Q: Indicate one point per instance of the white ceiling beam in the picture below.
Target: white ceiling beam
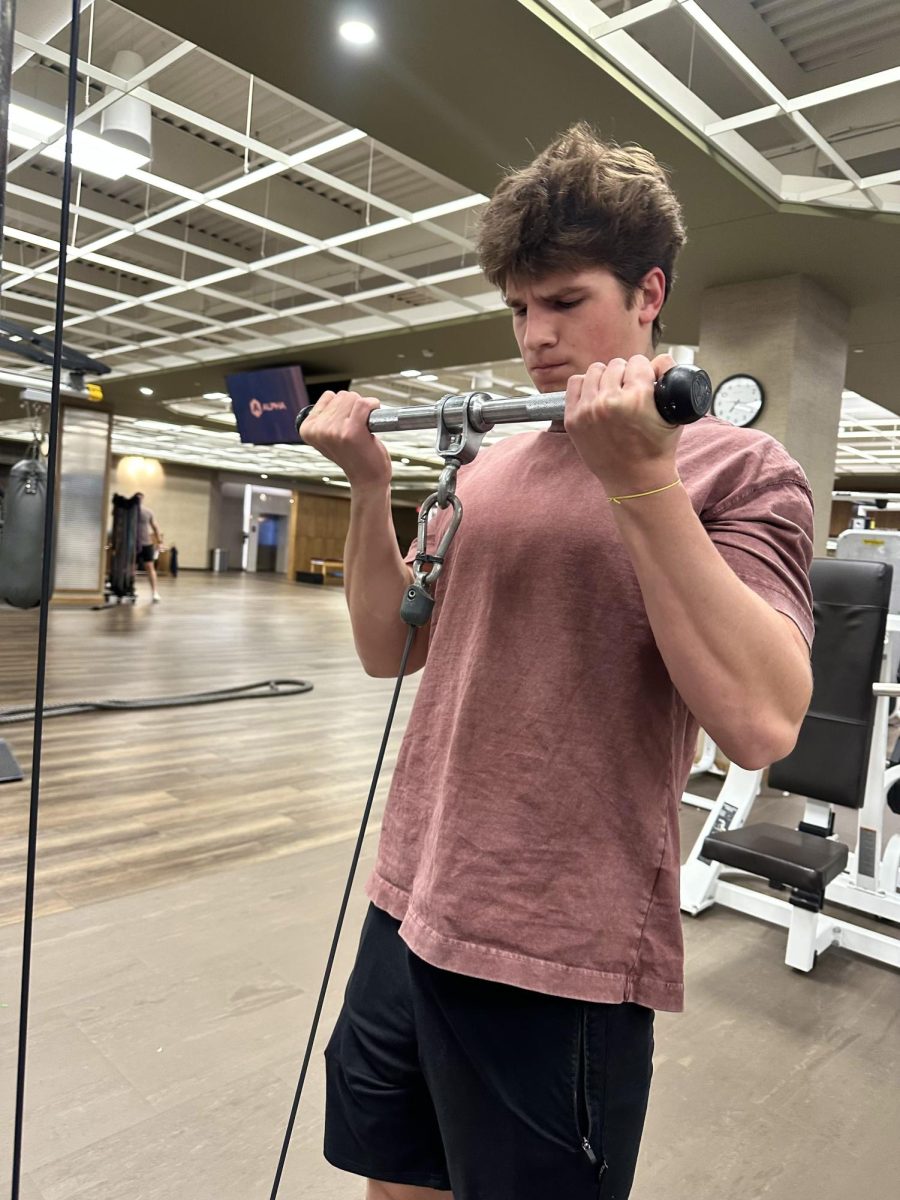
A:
(804, 189)
(735, 53)
(630, 17)
(366, 197)
(873, 181)
(840, 91)
(766, 113)
(825, 146)
(32, 239)
(84, 314)
(857, 453)
(43, 198)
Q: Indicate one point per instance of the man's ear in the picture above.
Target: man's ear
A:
(651, 295)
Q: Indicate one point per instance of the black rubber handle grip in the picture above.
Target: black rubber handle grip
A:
(683, 395)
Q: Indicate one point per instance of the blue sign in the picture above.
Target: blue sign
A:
(266, 404)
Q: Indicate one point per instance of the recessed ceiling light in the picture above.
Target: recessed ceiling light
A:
(146, 391)
(264, 477)
(405, 461)
(358, 33)
(410, 373)
(14, 337)
(427, 378)
(326, 479)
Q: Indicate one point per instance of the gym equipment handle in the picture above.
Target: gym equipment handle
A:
(683, 395)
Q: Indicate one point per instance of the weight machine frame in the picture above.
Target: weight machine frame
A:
(868, 884)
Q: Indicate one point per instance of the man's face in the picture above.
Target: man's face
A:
(564, 322)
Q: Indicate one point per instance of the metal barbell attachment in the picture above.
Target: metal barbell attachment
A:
(683, 395)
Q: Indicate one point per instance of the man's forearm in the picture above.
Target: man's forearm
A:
(734, 660)
(375, 577)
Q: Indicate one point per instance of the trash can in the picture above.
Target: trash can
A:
(218, 559)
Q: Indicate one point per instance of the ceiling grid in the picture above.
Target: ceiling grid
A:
(358, 264)
(646, 40)
(264, 226)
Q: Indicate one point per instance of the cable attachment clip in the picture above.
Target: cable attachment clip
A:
(457, 447)
(418, 600)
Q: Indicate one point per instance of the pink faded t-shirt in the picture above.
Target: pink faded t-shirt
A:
(531, 831)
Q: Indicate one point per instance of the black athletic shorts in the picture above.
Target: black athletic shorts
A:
(439, 1080)
(146, 554)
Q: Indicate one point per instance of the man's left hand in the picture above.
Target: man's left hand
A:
(613, 420)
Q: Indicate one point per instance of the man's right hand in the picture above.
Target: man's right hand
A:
(338, 428)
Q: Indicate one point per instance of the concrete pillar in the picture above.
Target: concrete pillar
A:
(792, 336)
(83, 500)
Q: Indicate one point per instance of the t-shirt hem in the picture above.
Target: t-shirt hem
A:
(516, 969)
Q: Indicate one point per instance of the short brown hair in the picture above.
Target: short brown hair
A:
(583, 203)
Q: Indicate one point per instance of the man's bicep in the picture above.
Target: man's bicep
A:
(766, 539)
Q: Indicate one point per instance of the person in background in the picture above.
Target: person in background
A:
(149, 541)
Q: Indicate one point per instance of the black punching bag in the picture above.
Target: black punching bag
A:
(22, 540)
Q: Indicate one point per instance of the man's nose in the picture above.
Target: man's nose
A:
(539, 331)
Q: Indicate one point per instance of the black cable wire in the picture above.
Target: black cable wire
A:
(268, 689)
(340, 921)
(46, 581)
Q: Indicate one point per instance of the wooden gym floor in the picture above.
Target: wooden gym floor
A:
(190, 866)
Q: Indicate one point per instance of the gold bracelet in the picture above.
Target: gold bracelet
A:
(638, 495)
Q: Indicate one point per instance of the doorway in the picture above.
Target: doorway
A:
(266, 524)
(271, 541)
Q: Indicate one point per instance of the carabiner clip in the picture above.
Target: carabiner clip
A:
(435, 561)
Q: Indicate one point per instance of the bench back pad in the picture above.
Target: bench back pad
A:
(829, 762)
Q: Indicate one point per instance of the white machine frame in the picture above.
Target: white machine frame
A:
(704, 764)
(869, 884)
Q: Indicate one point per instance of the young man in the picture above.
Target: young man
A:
(613, 583)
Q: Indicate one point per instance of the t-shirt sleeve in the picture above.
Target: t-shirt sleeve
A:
(765, 534)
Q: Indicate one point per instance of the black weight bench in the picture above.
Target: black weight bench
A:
(830, 761)
(805, 862)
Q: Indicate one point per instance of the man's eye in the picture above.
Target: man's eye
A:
(567, 303)
(519, 312)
